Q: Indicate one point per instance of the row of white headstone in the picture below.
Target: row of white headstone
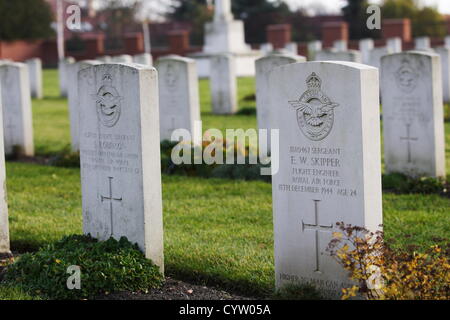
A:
(328, 116)
(64, 65)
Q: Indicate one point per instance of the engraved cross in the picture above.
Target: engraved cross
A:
(316, 227)
(408, 138)
(110, 198)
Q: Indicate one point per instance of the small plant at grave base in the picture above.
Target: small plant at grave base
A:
(382, 273)
(66, 158)
(399, 183)
(447, 112)
(106, 267)
(15, 154)
(298, 292)
(226, 171)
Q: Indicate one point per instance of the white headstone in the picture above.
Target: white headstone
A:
(333, 55)
(263, 68)
(394, 45)
(266, 48)
(413, 121)
(313, 47)
(120, 155)
(340, 45)
(145, 58)
(445, 64)
(4, 228)
(63, 66)
(447, 42)
(105, 59)
(291, 48)
(17, 117)
(375, 56)
(329, 166)
(123, 58)
(365, 46)
(35, 74)
(223, 84)
(423, 44)
(73, 98)
(179, 105)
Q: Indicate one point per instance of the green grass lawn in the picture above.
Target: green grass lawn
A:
(217, 231)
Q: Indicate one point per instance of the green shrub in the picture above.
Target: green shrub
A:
(106, 267)
(66, 158)
(298, 292)
(400, 183)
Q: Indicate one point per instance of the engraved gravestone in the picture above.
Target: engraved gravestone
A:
(413, 121)
(263, 67)
(63, 67)
(35, 74)
(17, 117)
(120, 155)
(329, 166)
(4, 229)
(223, 84)
(145, 58)
(179, 105)
(73, 99)
(445, 64)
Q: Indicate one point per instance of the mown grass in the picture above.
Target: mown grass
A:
(217, 231)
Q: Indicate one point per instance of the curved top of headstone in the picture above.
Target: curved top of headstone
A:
(337, 64)
(13, 64)
(175, 57)
(273, 55)
(417, 53)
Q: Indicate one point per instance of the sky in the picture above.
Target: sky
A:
(331, 6)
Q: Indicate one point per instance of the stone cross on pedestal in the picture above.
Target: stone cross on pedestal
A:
(316, 227)
(222, 10)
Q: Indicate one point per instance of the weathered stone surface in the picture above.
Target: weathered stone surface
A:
(73, 99)
(63, 66)
(413, 121)
(4, 228)
(223, 84)
(35, 74)
(445, 64)
(263, 68)
(313, 47)
(394, 45)
(123, 58)
(120, 155)
(334, 55)
(365, 46)
(179, 105)
(329, 168)
(17, 117)
(145, 58)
